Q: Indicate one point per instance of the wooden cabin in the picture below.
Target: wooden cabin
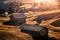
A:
(18, 17)
(35, 31)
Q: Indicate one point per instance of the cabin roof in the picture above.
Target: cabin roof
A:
(19, 15)
(31, 27)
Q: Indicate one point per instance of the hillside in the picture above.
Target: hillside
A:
(50, 19)
(8, 32)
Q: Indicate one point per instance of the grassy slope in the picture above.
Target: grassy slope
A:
(49, 18)
(13, 33)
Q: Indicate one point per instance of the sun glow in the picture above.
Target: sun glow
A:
(48, 1)
(38, 1)
(46, 4)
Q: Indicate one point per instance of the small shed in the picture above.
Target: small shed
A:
(35, 31)
(19, 17)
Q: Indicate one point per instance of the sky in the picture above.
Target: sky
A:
(49, 4)
(25, 0)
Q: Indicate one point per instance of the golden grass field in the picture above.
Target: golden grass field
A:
(13, 33)
(47, 17)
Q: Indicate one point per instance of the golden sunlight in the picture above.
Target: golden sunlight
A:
(50, 4)
(48, 1)
(38, 1)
